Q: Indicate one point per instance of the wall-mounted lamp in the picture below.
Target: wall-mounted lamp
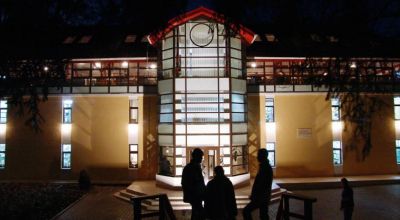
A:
(337, 126)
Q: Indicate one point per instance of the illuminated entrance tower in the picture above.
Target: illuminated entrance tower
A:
(202, 96)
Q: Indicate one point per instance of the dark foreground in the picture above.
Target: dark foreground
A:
(36, 200)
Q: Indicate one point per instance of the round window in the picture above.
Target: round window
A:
(201, 34)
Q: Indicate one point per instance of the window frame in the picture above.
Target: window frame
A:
(2, 166)
(131, 165)
(272, 151)
(340, 149)
(337, 107)
(271, 107)
(397, 150)
(63, 153)
(3, 110)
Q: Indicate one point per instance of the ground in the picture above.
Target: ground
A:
(372, 202)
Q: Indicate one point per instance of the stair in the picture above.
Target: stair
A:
(178, 204)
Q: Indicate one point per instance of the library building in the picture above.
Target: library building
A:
(133, 107)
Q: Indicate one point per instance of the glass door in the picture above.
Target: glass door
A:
(210, 160)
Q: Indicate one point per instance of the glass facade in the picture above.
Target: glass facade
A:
(202, 96)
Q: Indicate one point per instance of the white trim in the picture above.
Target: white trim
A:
(112, 59)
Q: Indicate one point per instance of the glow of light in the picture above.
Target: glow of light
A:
(337, 127)
(133, 128)
(124, 64)
(325, 74)
(46, 68)
(397, 125)
(153, 66)
(270, 127)
(254, 65)
(68, 102)
(3, 128)
(353, 65)
(65, 128)
(97, 65)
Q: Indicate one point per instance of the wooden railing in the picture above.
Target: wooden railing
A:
(164, 207)
(284, 212)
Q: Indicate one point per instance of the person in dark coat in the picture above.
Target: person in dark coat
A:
(261, 191)
(220, 201)
(193, 185)
(347, 203)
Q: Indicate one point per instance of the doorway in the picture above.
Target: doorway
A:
(210, 160)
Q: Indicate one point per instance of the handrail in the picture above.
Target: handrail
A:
(165, 210)
(284, 208)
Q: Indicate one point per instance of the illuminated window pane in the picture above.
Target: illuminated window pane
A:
(335, 114)
(66, 162)
(397, 112)
(238, 98)
(2, 147)
(3, 104)
(336, 145)
(2, 160)
(397, 100)
(335, 102)
(133, 156)
(269, 114)
(133, 147)
(337, 159)
(3, 116)
(398, 155)
(238, 108)
(133, 115)
(67, 118)
(271, 158)
(270, 146)
(66, 148)
(238, 117)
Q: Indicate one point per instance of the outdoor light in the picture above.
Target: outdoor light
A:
(254, 65)
(133, 128)
(325, 74)
(353, 65)
(397, 125)
(46, 68)
(153, 66)
(337, 126)
(66, 128)
(3, 128)
(97, 65)
(270, 127)
(124, 64)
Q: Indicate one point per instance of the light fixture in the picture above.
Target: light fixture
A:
(124, 64)
(397, 125)
(337, 126)
(3, 128)
(97, 65)
(66, 128)
(45, 68)
(153, 66)
(254, 65)
(353, 65)
(326, 73)
(133, 128)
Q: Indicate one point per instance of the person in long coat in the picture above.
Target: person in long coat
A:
(220, 201)
(261, 191)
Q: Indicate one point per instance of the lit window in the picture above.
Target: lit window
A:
(130, 38)
(271, 153)
(2, 156)
(335, 109)
(133, 156)
(3, 112)
(337, 152)
(397, 108)
(67, 112)
(398, 151)
(66, 156)
(133, 111)
(269, 110)
(85, 39)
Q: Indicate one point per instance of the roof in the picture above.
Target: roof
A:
(246, 34)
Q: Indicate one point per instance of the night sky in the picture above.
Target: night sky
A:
(377, 18)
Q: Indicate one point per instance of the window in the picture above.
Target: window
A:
(337, 152)
(133, 156)
(397, 108)
(66, 156)
(398, 151)
(3, 112)
(335, 109)
(67, 111)
(271, 153)
(2, 156)
(269, 110)
(133, 111)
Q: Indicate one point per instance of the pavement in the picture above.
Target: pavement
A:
(371, 202)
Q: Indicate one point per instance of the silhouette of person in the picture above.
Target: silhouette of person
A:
(261, 191)
(220, 201)
(193, 185)
(347, 203)
(165, 166)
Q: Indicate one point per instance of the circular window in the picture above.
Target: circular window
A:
(201, 35)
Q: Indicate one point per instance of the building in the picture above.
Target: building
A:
(138, 109)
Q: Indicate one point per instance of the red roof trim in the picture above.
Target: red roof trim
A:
(247, 35)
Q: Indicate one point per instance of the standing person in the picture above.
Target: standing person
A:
(220, 201)
(261, 191)
(347, 203)
(193, 185)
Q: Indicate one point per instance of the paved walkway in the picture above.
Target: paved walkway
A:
(372, 202)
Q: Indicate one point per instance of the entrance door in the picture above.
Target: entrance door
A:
(210, 160)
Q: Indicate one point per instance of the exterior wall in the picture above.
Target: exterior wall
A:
(382, 158)
(99, 139)
(254, 126)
